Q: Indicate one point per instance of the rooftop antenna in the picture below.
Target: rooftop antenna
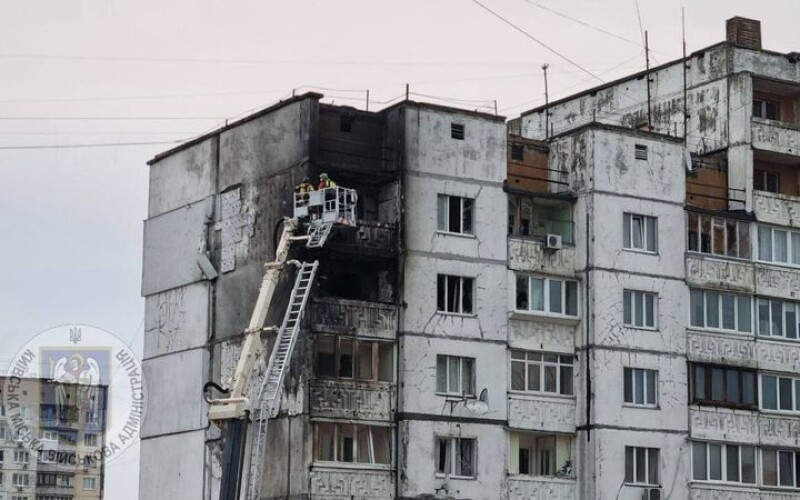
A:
(647, 65)
(546, 104)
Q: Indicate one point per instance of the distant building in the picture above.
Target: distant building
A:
(597, 300)
(48, 445)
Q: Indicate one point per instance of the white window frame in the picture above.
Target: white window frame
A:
(20, 480)
(443, 214)
(91, 480)
(743, 236)
(792, 240)
(708, 296)
(794, 393)
(461, 361)
(786, 307)
(91, 436)
(536, 360)
(777, 452)
(546, 288)
(723, 454)
(21, 457)
(464, 281)
(453, 450)
(646, 375)
(628, 243)
(647, 467)
(630, 301)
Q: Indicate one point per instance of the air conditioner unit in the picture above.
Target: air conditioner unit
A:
(651, 494)
(553, 241)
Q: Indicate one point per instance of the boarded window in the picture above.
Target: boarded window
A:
(517, 152)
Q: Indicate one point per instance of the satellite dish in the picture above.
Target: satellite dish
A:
(480, 405)
(687, 161)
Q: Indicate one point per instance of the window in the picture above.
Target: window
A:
(455, 456)
(640, 387)
(640, 151)
(639, 309)
(547, 295)
(65, 481)
(91, 439)
(540, 454)
(21, 480)
(780, 393)
(778, 245)
(640, 232)
(765, 180)
(21, 457)
(780, 468)
(348, 358)
(541, 372)
(47, 435)
(641, 465)
(538, 217)
(517, 152)
(718, 236)
(351, 443)
(457, 131)
(723, 386)
(46, 479)
(777, 318)
(25, 412)
(721, 311)
(346, 123)
(3, 433)
(766, 109)
(454, 214)
(723, 462)
(455, 375)
(454, 294)
(89, 483)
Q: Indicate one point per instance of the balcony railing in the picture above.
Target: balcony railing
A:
(541, 413)
(525, 254)
(743, 426)
(352, 400)
(377, 237)
(541, 488)
(776, 136)
(351, 484)
(775, 208)
(371, 319)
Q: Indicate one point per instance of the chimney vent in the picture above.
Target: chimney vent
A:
(744, 32)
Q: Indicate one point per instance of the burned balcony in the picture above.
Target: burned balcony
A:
(528, 169)
(707, 182)
(352, 141)
(776, 187)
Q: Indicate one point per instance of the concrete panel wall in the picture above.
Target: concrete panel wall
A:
(185, 177)
(172, 467)
(176, 320)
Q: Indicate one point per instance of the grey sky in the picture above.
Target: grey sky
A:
(71, 218)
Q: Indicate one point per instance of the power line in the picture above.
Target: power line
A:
(105, 118)
(541, 43)
(95, 145)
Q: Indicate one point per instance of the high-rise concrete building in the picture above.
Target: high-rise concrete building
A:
(49, 444)
(597, 300)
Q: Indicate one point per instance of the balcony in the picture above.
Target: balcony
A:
(541, 488)
(705, 270)
(352, 400)
(341, 316)
(743, 426)
(351, 484)
(777, 208)
(541, 413)
(368, 237)
(526, 254)
(776, 136)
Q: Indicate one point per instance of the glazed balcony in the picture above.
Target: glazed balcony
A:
(353, 400)
(342, 316)
(351, 484)
(541, 488)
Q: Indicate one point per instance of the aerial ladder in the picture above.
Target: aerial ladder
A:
(315, 212)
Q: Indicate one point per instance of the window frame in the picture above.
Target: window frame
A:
(632, 303)
(632, 481)
(795, 475)
(629, 373)
(546, 289)
(762, 105)
(472, 371)
(453, 445)
(461, 288)
(794, 393)
(720, 306)
(709, 389)
(376, 364)
(723, 466)
(541, 365)
(628, 233)
(792, 239)
(337, 433)
(466, 206)
(769, 320)
(93, 481)
(702, 221)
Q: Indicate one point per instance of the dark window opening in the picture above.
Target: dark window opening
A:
(641, 152)
(457, 131)
(724, 386)
(764, 180)
(517, 152)
(346, 123)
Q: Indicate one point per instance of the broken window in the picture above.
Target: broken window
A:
(457, 131)
(536, 454)
(455, 456)
(547, 295)
(723, 386)
(517, 152)
(352, 443)
(640, 387)
(455, 375)
(719, 236)
(639, 309)
(765, 180)
(763, 108)
(539, 217)
(642, 465)
(545, 372)
(721, 311)
(349, 358)
(454, 214)
(454, 294)
(640, 232)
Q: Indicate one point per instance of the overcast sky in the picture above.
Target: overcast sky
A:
(71, 219)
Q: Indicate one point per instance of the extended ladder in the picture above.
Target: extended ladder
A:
(269, 397)
(318, 234)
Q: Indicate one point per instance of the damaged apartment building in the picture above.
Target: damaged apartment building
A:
(595, 300)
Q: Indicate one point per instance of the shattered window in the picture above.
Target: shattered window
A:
(349, 358)
(454, 294)
(455, 456)
(353, 443)
(454, 214)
